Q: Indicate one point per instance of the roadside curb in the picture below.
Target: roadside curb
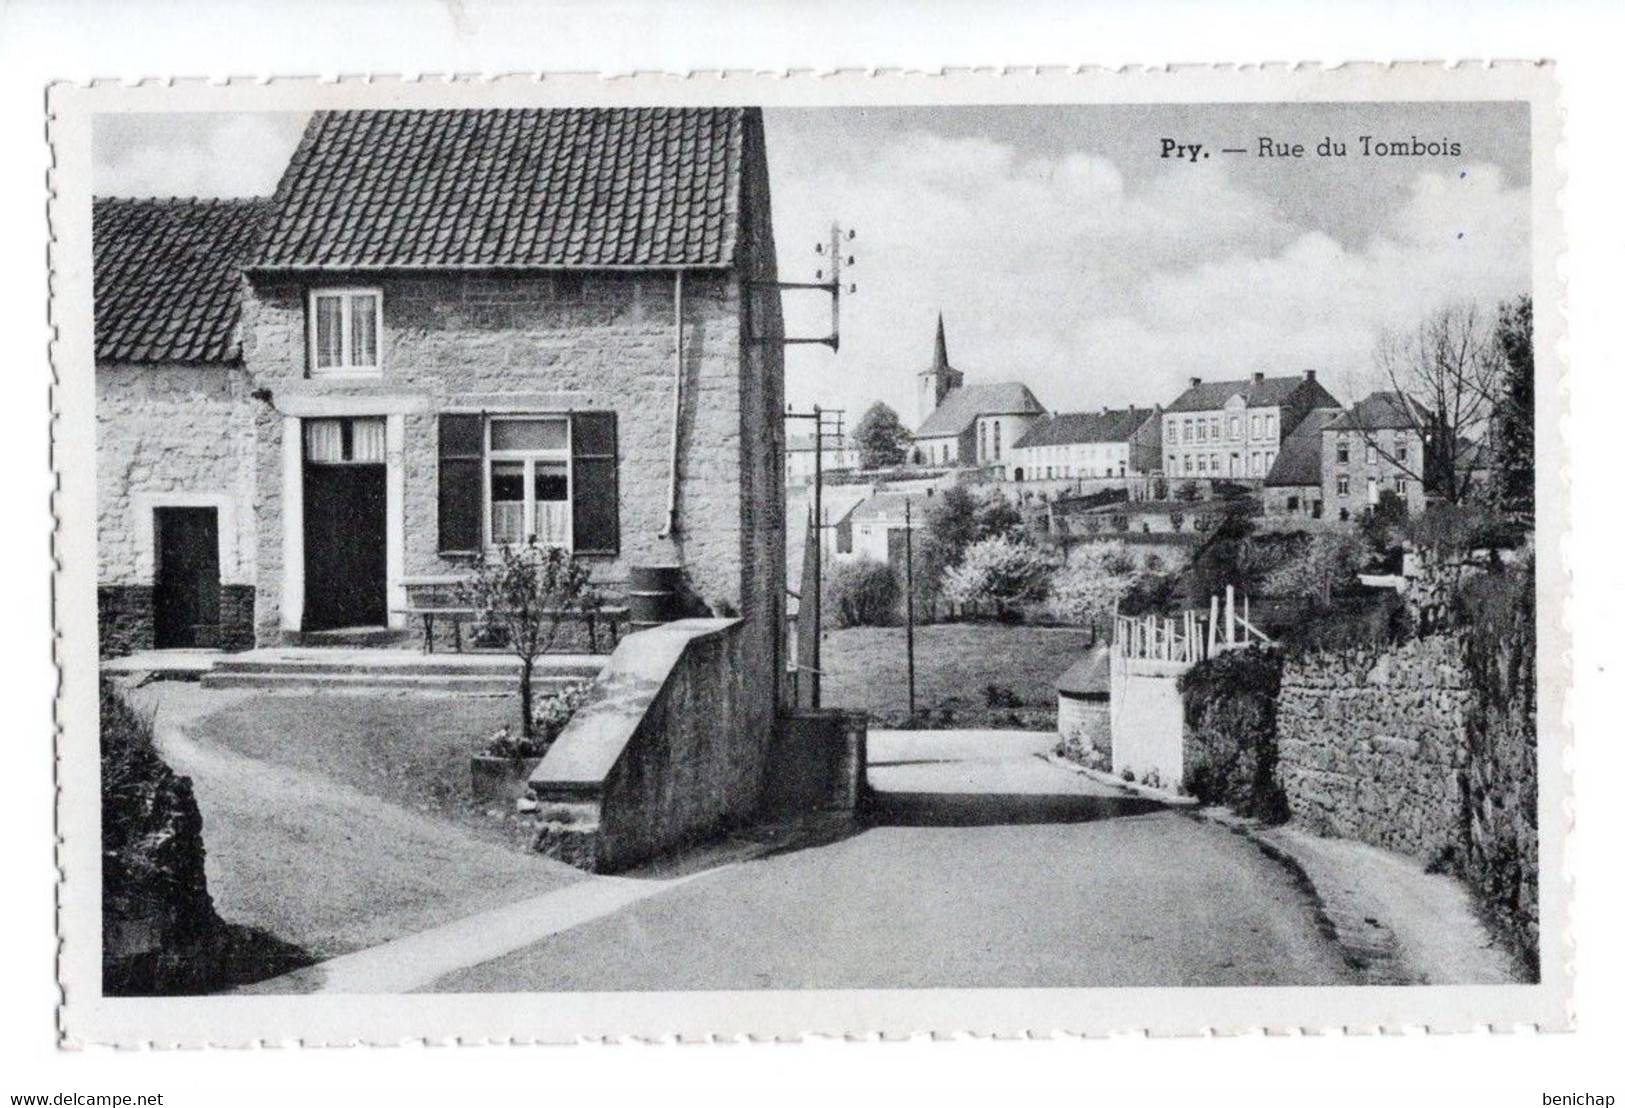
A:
(1145, 792)
(1369, 947)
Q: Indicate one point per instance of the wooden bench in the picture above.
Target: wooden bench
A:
(611, 618)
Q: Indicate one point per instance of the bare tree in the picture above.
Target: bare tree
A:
(1444, 379)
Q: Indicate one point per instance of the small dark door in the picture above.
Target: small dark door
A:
(186, 589)
(344, 546)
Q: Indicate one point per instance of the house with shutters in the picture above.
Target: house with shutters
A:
(446, 331)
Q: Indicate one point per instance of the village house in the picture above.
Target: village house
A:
(801, 457)
(447, 331)
(1293, 485)
(1234, 429)
(1374, 447)
(175, 462)
(1107, 443)
(969, 425)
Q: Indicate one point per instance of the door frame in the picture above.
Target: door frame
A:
(158, 592)
(393, 412)
(144, 506)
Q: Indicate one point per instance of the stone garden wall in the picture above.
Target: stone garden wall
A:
(1372, 744)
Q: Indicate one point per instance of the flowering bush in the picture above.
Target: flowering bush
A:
(1000, 573)
(552, 715)
(1089, 586)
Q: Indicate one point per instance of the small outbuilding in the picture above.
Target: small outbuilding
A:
(1083, 705)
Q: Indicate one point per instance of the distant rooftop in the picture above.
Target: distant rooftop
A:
(961, 407)
(1068, 428)
(1257, 391)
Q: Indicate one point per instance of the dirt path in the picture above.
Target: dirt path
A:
(320, 864)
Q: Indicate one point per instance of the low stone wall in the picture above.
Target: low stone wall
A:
(1085, 726)
(819, 763)
(1372, 744)
(125, 617)
(670, 748)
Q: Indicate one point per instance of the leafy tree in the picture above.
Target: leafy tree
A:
(1514, 429)
(864, 593)
(521, 592)
(1328, 560)
(1001, 573)
(996, 516)
(881, 438)
(1088, 588)
(1387, 515)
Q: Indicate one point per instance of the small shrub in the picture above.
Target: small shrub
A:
(553, 714)
(1000, 696)
(1230, 727)
(1128, 774)
(864, 593)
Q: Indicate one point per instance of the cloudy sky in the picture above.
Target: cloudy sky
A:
(1062, 250)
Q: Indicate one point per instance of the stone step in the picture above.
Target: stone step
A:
(422, 666)
(483, 684)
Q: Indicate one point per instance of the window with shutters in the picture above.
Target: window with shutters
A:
(505, 479)
(344, 329)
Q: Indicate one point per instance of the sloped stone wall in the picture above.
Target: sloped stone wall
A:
(1373, 744)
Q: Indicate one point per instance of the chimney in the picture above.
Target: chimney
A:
(1195, 381)
(1258, 378)
(1309, 375)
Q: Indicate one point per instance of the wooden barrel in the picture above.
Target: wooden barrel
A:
(652, 595)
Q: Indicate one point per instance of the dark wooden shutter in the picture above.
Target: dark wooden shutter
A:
(595, 501)
(462, 485)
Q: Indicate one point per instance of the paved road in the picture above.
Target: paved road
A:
(983, 866)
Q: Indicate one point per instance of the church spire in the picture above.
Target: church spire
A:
(939, 362)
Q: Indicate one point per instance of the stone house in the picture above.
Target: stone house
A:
(457, 329)
(1375, 446)
(1293, 486)
(1234, 429)
(1107, 443)
(175, 469)
(969, 425)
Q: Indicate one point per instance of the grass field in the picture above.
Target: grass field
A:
(865, 667)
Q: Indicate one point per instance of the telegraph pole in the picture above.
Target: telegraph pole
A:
(908, 594)
(826, 421)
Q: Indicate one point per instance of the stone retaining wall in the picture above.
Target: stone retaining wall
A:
(1373, 744)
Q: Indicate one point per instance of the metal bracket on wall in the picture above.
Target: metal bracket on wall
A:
(837, 241)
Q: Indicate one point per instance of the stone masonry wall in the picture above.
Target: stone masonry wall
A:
(1372, 744)
(536, 343)
(170, 430)
(176, 435)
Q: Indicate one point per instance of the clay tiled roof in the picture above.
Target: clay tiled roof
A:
(1298, 462)
(167, 277)
(1383, 411)
(531, 188)
(1268, 392)
(960, 408)
(1064, 429)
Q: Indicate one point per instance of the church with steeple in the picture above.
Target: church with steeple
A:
(968, 425)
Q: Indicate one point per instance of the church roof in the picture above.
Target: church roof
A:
(961, 407)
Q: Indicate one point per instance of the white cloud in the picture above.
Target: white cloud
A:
(1053, 271)
(200, 155)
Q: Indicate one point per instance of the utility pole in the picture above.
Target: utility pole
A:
(826, 421)
(908, 594)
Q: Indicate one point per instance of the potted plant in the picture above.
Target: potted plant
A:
(503, 763)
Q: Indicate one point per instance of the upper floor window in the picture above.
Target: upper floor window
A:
(1173, 431)
(1342, 449)
(344, 326)
(1235, 427)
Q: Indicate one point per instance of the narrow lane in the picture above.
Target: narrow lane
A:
(984, 866)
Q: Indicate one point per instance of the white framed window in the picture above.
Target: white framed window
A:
(1402, 486)
(1235, 427)
(345, 325)
(1370, 453)
(527, 480)
(1342, 484)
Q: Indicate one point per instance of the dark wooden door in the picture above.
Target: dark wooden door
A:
(344, 546)
(186, 587)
